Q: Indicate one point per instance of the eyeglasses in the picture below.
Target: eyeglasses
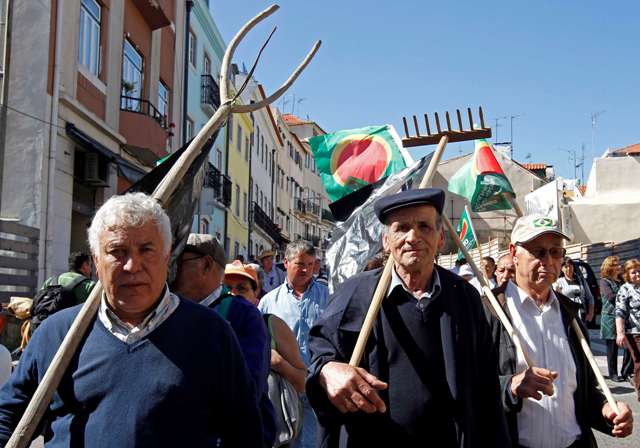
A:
(541, 252)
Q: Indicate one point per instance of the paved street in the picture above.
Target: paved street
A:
(622, 391)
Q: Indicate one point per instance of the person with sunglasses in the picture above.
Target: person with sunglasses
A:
(556, 401)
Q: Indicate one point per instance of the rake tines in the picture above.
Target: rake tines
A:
(455, 135)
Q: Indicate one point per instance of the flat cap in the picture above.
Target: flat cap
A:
(205, 244)
(409, 198)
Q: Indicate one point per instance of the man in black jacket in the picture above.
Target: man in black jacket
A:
(429, 371)
(556, 402)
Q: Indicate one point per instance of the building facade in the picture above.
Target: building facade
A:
(91, 90)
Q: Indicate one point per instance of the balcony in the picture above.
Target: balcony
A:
(220, 184)
(312, 208)
(261, 219)
(209, 93)
(299, 205)
(144, 107)
(327, 215)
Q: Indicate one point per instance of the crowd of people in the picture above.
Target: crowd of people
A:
(238, 354)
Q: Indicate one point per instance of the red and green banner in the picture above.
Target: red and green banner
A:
(466, 233)
(351, 159)
(482, 181)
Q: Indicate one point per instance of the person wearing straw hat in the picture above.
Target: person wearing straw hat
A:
(429, 371)
(271, 276)
(555, 402)
(135, 379)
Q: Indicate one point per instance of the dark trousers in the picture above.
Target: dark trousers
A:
(633, 344)
(627, 364)
(612, 357)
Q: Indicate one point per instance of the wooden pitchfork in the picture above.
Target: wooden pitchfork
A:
(42, 397)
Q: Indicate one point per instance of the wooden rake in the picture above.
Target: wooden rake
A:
(42, 397)
(442, 137)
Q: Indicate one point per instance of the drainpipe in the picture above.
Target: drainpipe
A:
(250, 196)
(185, 90)
(8, 15)
(49, 156)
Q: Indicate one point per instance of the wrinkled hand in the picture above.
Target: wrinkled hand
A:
(620, 338)
(532, 381)
(623, 423)
(352, 388)
(590, 315)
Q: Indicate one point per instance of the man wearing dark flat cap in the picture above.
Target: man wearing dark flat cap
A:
(428, 376)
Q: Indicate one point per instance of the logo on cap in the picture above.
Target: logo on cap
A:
(543, 222)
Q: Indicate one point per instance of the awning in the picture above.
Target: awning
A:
(125, 169)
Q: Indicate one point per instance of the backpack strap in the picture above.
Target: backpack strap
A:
(71, 286)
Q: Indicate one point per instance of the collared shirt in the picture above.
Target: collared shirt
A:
(550, 422)
(432, 293)
(628, 307)
(271, 280)
(299, 313)
(207, 301)
(128, 333)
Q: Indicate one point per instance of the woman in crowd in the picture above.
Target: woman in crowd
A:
(610, 281)
(570, 285)
(242, 280)
(628, 316)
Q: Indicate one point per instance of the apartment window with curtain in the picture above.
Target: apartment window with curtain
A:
(163, 100)
(132, 70)
(193, 47)
(89, 41)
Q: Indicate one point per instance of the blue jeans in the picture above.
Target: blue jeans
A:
(307, 438)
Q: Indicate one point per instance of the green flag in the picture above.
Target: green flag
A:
(351, 159)
(482, 181)
(466, 233)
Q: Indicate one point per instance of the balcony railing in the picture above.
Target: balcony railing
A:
(312, 208)
(140, 106)
(299, 205)
(209, 92)
(262, 219)
(220, 184)
(327, 215)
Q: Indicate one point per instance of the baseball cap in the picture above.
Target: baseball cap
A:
(465, 270)
(530, 227)
(205, 244)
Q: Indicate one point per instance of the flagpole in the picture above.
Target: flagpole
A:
(473, 230)
(385, 279)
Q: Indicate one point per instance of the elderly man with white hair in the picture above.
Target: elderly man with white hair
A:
(136, 378)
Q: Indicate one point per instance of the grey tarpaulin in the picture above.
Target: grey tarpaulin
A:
(359, 238)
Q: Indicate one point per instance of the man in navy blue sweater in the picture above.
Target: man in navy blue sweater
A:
(200, 273)
(153, 370)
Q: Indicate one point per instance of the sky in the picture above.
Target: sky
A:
(553, 64)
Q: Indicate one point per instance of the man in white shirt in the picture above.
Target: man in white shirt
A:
(555, 402)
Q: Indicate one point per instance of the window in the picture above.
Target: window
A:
(245, 204)
(193, 43)
(219, 159)
(236, 249)
(238, 201)
(190, 128)
(163, 100)
(239, 139)
(89, 41)
(204, 225)
(257, 140)
(246, 148)
(206, 64)
(132, 65)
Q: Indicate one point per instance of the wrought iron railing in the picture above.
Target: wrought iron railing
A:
(209, 91)
(262, 219)
(141, 106)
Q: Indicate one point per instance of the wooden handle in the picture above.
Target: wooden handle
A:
(485, 287)
(385, 279)
(594, 366)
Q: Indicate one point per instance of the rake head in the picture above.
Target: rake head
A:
(455, 135)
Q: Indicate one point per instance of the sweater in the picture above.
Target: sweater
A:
(184, 384)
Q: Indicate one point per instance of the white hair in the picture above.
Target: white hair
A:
(129, 210)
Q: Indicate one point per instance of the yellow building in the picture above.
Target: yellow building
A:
(240, 129)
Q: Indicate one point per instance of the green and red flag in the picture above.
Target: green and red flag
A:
(352, 159)
(466, 233)
(482, 181)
